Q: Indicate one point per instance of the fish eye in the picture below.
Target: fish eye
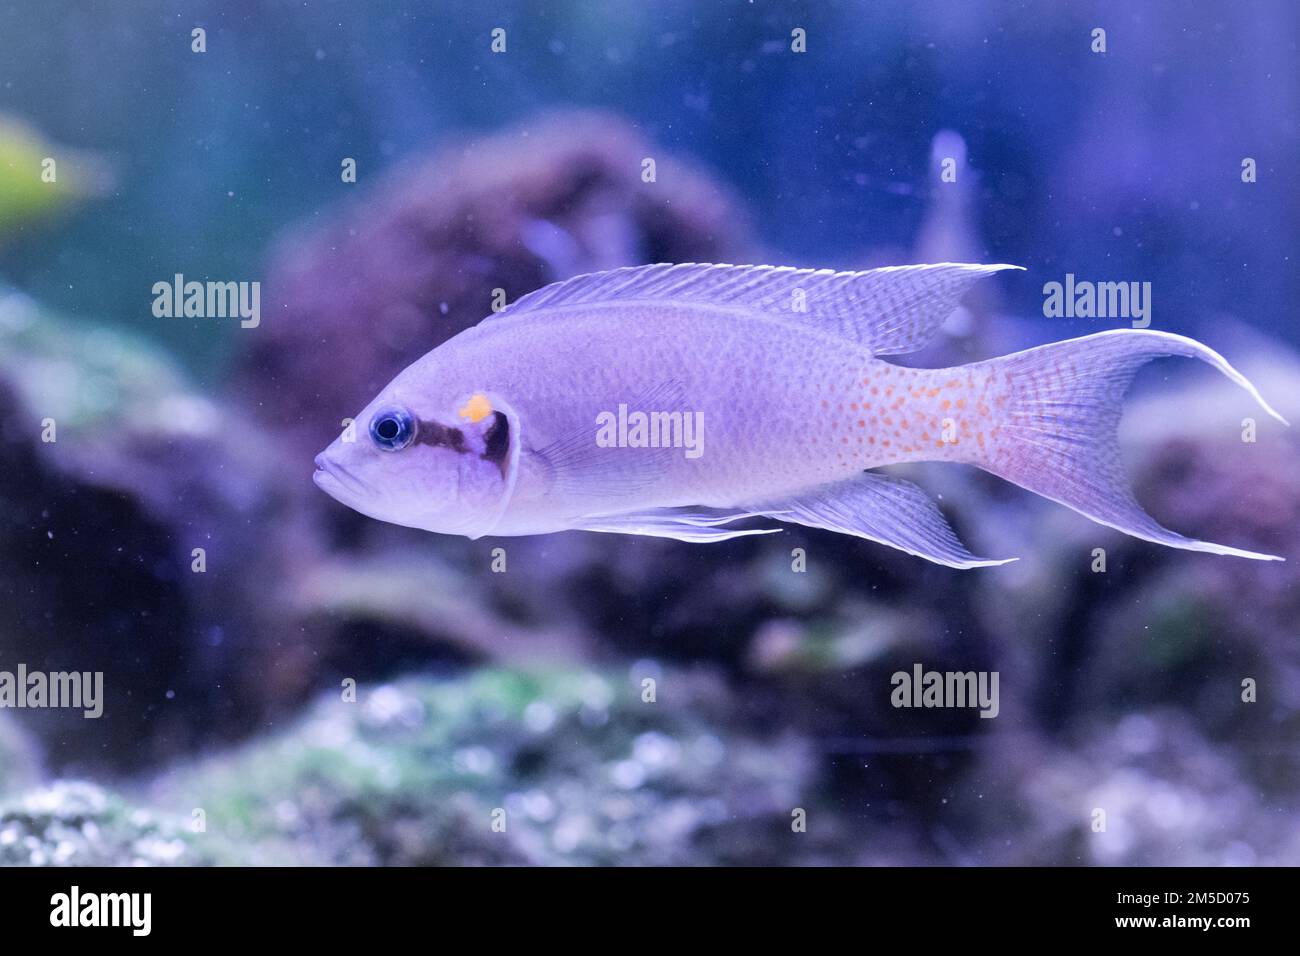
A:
(392, 429)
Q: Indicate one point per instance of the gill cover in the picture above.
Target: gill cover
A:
(490, 466)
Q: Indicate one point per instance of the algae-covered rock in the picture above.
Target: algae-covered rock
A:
(1144, 790)
(550, 767)
(74, 823)
(506, 767)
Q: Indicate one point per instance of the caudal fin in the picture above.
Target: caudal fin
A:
(1058, 430)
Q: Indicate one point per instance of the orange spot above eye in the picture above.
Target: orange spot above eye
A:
(946, 404)
(476, 409)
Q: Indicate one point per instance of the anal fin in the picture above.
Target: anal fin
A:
(883, 509)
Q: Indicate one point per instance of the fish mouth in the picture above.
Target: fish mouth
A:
(333, 478)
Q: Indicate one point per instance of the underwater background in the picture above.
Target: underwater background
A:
(332, 690)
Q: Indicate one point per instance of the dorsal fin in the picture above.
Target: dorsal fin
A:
(892, 310)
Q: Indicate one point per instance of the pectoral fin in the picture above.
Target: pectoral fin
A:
(577, 464)
(880, 508)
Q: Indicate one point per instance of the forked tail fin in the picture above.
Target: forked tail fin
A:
(1057, 432)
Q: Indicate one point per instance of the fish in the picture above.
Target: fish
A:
(25, 161)
(673, 400)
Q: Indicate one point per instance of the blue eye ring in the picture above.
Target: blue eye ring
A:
(392, 429)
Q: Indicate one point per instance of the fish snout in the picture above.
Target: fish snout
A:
(332, 476)
(322, 474)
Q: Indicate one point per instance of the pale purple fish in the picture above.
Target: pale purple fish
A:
(671, 400)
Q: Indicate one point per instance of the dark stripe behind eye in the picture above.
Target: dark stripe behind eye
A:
(432, 433)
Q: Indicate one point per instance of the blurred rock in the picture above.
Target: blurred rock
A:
(97, 555)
